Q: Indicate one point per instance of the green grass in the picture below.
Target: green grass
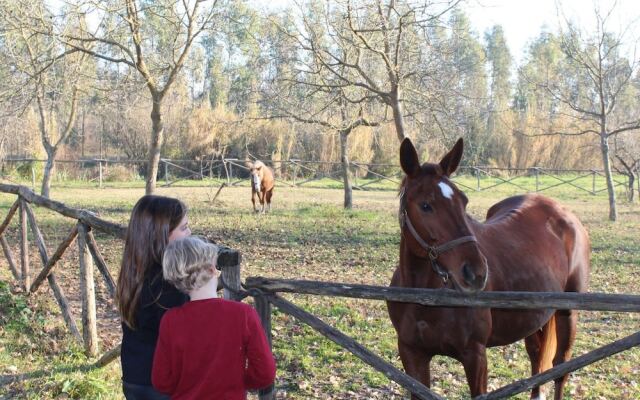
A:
(307, 236)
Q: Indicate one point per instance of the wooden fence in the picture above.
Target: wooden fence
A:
(298, 173)
(265, 292)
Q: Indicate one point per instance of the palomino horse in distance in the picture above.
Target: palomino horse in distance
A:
(262, 184)
(527, 243)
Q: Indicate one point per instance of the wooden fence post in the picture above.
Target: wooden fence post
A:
(5, 246)
(108, 356)
(264, 311)
(356, 172)
(229, 262)
(226, 170)
(24, 246)
(101, 264)
(100, 174)
(87, 287)
(295, 173)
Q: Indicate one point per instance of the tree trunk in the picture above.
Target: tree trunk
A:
(344, 157)
(48, 172)
(632, 178)
(604, 147)
(398, 118)
(638, 180)
(157, 135)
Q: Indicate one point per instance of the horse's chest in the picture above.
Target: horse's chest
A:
(442, 330)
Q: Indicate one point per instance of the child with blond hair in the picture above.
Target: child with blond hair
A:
(209, 348)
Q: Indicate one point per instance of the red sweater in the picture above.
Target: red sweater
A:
(212, 349)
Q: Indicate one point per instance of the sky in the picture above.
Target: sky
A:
(522, 20)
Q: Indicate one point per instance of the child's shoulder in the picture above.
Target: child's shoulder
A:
(237, 306)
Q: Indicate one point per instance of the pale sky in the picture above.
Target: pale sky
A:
(522, 20)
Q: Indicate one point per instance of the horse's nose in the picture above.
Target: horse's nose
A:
(468, 274)
(473, 280)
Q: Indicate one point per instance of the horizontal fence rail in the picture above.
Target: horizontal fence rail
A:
(453, 298)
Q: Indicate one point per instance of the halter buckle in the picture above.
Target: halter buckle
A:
(433, 254)
(444, 275)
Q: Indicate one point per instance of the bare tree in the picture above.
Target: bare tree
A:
(154, 39)
(313, 94)
(593, 86)
(44, 74)
(627, 153)
(378, 46)
(337, 115)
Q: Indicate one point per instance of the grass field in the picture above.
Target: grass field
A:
(307, 236)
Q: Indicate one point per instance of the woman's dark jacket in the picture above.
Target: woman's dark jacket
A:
(139, 344)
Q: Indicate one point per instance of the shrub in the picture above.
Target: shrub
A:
(121, 173)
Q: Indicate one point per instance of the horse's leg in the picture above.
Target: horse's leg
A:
(416, 364)
(474, 360)
(268, 194)
(532, 344)
(253, 200)
(542, 348)
(262, 201)
(566, 332)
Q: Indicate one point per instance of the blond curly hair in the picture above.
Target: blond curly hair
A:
(187, 263)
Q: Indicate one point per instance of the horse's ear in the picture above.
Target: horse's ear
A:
(409, 158)
(451, 160)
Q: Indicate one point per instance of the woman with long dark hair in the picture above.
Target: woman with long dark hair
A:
(143, 295)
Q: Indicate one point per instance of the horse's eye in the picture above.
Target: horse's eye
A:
(426, 207)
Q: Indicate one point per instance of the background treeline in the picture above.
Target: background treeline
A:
(282, 84)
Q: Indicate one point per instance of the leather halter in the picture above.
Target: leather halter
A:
(433, 251)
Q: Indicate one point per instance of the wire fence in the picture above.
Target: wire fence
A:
(299, 173)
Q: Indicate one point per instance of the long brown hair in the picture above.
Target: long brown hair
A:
(152, 219)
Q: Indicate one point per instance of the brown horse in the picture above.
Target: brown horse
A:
(262, 184)
(527, 243)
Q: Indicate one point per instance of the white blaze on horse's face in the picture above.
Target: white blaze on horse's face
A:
(446, 190)
(256, 181)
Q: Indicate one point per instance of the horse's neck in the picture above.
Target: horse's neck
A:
(483, 231)
(477, 228)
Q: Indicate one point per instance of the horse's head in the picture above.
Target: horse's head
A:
(434, 221)
(256, 170)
